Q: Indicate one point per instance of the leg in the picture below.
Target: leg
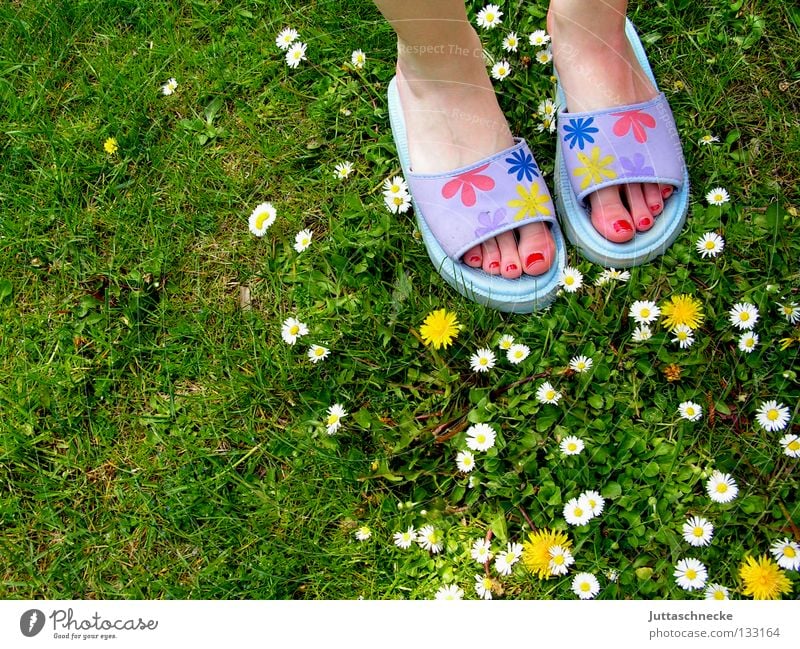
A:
(598, 69)
(446, 91)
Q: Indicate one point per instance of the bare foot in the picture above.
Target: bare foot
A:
(598, 69)
(453, 119)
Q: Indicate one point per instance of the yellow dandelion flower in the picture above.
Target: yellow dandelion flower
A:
(111, 145)
(439, 329)
(763, 579)
(682, 310)
(536, 550)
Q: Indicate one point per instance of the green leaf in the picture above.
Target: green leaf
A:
(499, 527)
(6, 289)
(644, 573)
(612, 490)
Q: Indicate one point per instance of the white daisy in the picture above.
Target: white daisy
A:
(642, 333)
(716, 591)
(790, 311)
(395, 186)
(430, 539)
(560, 560)
(580, 364)
(576, 512)
(286, 38)
(697, 531)
(363, 533)
(481, 550)
(743, 315)
(571, 445)
(644, 311)
(546, 393)
(483, 586)
(547, 124)
(505, 559)
(571, 279)
(748, 341)
(585, 585)
(718, 196)
(517, 353)
(292, 329)
(480, 437)
(451, 592)
(169, 87)
(772, 416)
(506, 340)
(539, 38)
(358, 59)
(708, 139)
(710, 244)
(501, 70)
(592, 501)
(342, 170)
(684, 336)
(482, 360)
(791, 445)
(690, 574)
(465, 461)
(334, 419)
(317, 353)
(302, 240)
(403, 540)
(546, 108)
(612, 275)
(511, 42)
(690, 410)
(398, 203)
(544, 57)
(489, 17)
(721, 487)
(261, 218)
(612, 575)
(786, 553)
(295, 54)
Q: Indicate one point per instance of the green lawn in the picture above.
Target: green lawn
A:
(159, 439)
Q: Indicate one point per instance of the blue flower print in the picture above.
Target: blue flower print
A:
(578, 132)
(636, 167)
(523, 165)
(489, 223)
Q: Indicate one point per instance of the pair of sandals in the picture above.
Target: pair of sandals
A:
(457, 210)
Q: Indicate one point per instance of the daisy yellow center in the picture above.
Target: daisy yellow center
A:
(569, 280)
(645, 313)
(483, 361)
(398, 200)
(698, 531)
(682, 335)
(487, 583)
(305, 241)
(467, 460)
(690, 411)
(319, 351)
(395, 189)
(550, 394)
(294, 330)
(691, 574)
(718, 197)
(511, 558)
(558, 559)
(547, 121)
(722, 488)
(794, 445)
(297, 54)
(489, 17)
(581, 365)
(585, 586)
(578, 512)
(518, 354)
(789, 552)
(332, 419)
(710, 245)
(261, 218)
(572, 446)
(772, 414)
(718, 594)
(787, 310)
(432, 538)
(592, 504)
(744, 316)
(480, 438)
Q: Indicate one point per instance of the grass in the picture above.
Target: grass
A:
(158, 440)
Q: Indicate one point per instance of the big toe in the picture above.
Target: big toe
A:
(537, 250)
(609, 216)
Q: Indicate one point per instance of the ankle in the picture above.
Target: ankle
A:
(458, 54)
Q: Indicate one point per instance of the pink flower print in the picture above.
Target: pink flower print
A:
(636, 120)
(466, 182)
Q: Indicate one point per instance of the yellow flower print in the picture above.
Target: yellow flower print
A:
(594, 168)
(530, 203)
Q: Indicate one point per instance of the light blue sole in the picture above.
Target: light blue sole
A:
(523, 295)
(577, 224)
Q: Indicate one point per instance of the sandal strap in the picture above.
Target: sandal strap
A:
(620, 145)
(467, 206)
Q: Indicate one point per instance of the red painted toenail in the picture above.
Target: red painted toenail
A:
(474, 259)
(655, 208)
(533, 258)
(511, 268)
(622, 226)
(645, 222)
(494, 264)
(666, 192)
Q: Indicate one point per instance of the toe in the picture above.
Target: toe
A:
(653, 198)
(473, 257)
(510, 266)
(609, 216)
(491, 256)
(666, 191)
(537, 250)
(638, 207)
